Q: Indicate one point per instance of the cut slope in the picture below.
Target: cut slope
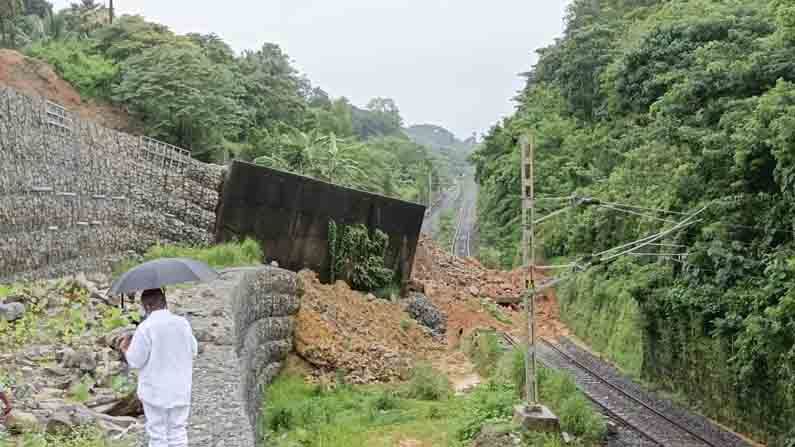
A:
(34, 77)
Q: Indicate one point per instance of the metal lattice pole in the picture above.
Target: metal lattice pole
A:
(529, 264)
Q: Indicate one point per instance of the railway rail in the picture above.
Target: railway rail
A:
(462, 238)
(653, 426)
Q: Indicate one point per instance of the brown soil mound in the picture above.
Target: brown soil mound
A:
(342, 329)
(34, 77)
(374, 340)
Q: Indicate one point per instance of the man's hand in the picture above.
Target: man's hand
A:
(124, 344)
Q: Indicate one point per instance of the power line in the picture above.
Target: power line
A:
(554, 199)
(654, 238)
(649, 216)
(656, 210)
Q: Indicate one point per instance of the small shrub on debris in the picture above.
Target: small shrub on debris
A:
(485, 351)
(428, 384)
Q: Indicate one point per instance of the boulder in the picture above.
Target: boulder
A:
(22, 422)
(12, 311)
(84, 359)
(69, 417)
(496, 436)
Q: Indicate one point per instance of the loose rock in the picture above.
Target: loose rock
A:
(12, 311)
(420, 308)
(22, 422)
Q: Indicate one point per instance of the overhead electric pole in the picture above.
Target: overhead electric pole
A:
(430, 189)
(532, 415)
(527, 146)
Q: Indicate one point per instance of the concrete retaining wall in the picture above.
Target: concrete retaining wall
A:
(289, 215)
(75, 195)
(264, 304)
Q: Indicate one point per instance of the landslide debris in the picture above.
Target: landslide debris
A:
(366, 338)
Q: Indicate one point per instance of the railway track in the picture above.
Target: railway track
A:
(465, 223)
(653, 426)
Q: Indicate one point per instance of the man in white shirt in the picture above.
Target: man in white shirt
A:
(163, 348)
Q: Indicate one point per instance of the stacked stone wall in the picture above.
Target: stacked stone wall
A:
(264, 305)
(75, 195)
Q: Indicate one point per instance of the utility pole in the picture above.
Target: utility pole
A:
(110, 12)
(532, 415)
(527, 146)
(430, 188)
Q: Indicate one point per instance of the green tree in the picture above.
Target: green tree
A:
(91, 74)
(273, 89)
(181, 96)
(10, 11)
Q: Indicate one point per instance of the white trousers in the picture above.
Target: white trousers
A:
(167, 427)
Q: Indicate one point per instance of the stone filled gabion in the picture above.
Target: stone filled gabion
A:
(264, 304)
(73, 190)
(420, 308)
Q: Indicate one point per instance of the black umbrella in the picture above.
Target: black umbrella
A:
(162, 272)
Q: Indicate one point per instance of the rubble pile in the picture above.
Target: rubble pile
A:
(436, 268)
(59, 360)
(366, 338)
(474, 297)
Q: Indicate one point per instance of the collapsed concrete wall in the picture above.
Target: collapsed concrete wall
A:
(75, 195)
(289, 215)
(264, 304)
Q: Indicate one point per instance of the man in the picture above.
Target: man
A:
(163, 348)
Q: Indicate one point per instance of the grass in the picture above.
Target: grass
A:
(603, 313)
(300, 414)
(484, 350)
(80, 392)
(427, 384)
(558, 391)
(297, 414)
(80, 437)
(231, 254)
(494, 310)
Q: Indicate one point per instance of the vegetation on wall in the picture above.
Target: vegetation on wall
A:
(358, 256)
(669, 105)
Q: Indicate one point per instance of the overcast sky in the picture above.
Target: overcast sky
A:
(453, 63)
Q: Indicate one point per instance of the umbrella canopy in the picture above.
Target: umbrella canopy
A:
(162, 272)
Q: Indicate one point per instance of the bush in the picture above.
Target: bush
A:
(491, 403)
(577, 416)
(428, 384)
(485, 351)
(230, 254)
(90, 73)
(218, 256)
(386, 400)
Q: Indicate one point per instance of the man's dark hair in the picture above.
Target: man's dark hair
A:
(153, 299)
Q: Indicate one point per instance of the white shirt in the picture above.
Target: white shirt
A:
(163, 349)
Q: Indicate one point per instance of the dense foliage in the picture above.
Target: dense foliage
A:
(194, 91)
(670, 105)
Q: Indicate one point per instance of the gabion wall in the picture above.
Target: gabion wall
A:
(75, 196)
